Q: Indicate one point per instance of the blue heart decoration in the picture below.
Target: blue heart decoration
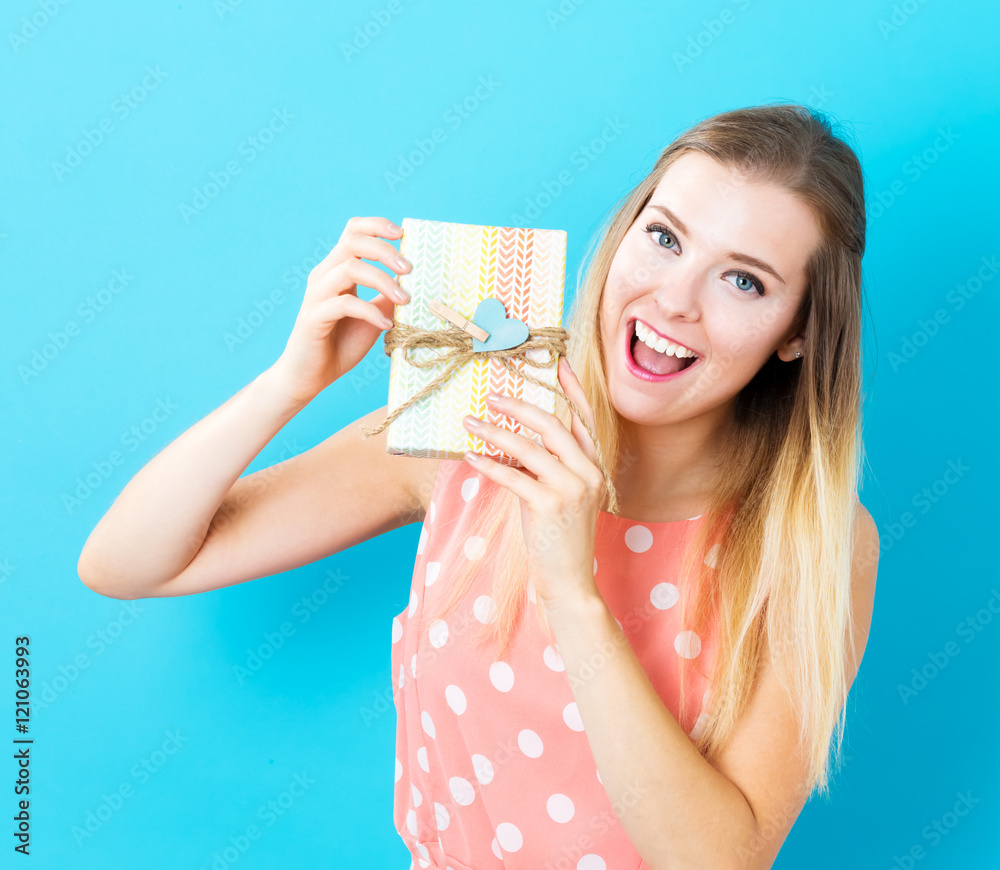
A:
(505, 332)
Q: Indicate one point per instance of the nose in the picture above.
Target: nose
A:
(677, 293)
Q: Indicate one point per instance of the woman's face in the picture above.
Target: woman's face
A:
(688, 278)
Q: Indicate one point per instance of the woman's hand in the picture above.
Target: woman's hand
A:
(560, 489)
(334, 328)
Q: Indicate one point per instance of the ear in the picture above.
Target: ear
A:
(795, 339)
(787, 349)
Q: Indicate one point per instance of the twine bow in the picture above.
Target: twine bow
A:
(456, 345)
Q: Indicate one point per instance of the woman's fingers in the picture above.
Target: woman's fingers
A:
(368, 247)
(362, 238)
(344, 277)
(556, 439)
(326, 313)
(574, 390)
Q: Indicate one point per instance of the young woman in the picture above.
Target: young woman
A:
(666, 680)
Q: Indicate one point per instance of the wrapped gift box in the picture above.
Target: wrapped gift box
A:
(460, 265)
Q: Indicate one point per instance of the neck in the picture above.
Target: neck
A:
(667, 472)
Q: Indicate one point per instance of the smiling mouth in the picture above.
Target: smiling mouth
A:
(654, 362)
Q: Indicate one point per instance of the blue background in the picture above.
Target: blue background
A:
(916, 86)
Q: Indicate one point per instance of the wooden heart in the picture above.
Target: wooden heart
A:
(505, 332)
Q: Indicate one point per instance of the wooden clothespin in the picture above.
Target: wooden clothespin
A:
(453, 317)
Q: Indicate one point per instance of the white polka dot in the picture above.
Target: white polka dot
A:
(423, 864)
(531, 590)
(601, 781)
(560, 808)
(411, 822)
(699, 725)
(431, 510)
(552, 659)
(399, 769)
(413, 664)
(529, 743)
(418, 798)
(455, 698)
(495, 846)
(397, 629)
(509, 837)
(422, 849)
(595, 564)
(695, 518)
(502, 676)
(433, 569)
(427, 723)
(438, 633)
(687, 644)
(413, 602)
(619, 622)
(485, 609)
(422, 759)
(711, 556)
(571, 716)
(401, 676)
(474, 547)
(591, 862)
(441, 816)
(483, 768)
(422, 541)
(638, 539)
(664, 595)
(462, 791)
(470, 486)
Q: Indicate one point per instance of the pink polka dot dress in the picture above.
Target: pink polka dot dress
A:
(493, 768)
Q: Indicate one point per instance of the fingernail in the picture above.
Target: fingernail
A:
(393, 228)
(402, 262)
(387, 323)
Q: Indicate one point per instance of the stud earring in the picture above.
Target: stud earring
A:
(798, 353)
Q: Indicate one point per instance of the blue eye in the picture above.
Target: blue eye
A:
(658, 228)
(754, 283)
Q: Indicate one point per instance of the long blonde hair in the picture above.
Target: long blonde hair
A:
(771, 563)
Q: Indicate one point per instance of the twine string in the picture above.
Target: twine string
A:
(456, 348)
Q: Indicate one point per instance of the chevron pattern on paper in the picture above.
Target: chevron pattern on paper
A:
(460, 265)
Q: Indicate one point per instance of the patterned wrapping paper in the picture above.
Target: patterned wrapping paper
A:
(460, 265)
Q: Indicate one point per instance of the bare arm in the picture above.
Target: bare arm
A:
(341, 492)
(159, 521)
(187, 522)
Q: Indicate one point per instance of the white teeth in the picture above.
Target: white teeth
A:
(659, 344)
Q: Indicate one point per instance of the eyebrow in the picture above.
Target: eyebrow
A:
(733, 255)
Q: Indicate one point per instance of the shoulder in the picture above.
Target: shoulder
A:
(763, 758)
(411, 477)
(421, 476)
(865, 534)
(864, 569)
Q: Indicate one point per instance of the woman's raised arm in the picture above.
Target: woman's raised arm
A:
(187, 522)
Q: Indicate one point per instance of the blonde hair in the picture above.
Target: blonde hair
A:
(770, 565)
